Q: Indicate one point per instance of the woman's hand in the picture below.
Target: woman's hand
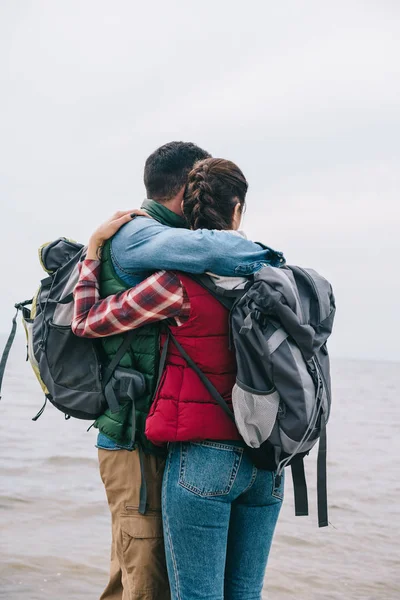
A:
(108, 229)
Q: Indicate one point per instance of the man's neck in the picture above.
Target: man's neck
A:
(164, 215)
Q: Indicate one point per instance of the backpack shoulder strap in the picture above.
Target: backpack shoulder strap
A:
(108, 371)
(226, 297)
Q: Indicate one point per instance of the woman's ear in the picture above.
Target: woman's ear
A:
(182, 206)
(237, 216)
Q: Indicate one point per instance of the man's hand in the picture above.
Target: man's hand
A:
(108, 229)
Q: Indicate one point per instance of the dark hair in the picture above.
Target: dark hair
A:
(166, 170)
(214, 188)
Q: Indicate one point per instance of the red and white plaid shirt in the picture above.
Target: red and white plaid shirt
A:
(160, 296)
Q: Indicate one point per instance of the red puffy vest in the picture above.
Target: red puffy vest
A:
(183, 410)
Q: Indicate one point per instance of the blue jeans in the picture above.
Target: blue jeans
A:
(219, 516)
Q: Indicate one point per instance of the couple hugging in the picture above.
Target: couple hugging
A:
(192, 517)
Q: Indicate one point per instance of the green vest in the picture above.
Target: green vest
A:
(143, 354)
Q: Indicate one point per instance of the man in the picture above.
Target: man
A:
(131, 468)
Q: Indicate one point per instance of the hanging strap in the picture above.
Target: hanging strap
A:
(133, 434)
(10, 340)
(299, 488)
(127, 390)
(143, 483)
(7, 349)
(322, 495)
(41, 411)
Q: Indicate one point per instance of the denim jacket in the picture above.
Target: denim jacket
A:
(144, 245)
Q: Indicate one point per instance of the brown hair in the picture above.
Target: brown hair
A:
(167, 169)
(213, 189)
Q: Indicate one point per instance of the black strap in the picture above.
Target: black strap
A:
(143, 484)
(39, 414)
(67, 299)
(108, 388)
(111, 397)
(163, 359)
(299, 488)
(7, 349)
(207, 383)
(127, 390)
(133, 434)
(108, 371)
(322, 494)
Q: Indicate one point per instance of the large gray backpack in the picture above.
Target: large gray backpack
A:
(280, 325)
(72, 372)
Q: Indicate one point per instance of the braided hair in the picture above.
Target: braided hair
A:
(215, 186)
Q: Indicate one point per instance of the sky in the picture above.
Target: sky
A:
(304, 95)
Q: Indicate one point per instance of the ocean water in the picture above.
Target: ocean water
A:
(54, 520)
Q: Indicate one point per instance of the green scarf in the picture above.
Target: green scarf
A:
(161, 213)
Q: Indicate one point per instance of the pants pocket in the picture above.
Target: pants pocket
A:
(209, 468)
(142, 557)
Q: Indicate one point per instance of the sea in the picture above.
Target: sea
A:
(55, 524)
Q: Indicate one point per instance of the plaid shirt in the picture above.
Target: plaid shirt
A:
(160, 296)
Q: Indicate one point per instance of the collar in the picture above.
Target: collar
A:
(161, 213)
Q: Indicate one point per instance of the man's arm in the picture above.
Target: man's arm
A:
(146, 245)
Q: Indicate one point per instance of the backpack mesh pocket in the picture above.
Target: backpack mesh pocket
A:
(255, 414)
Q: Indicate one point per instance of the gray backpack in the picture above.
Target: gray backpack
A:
(71, 370)
(280, 325)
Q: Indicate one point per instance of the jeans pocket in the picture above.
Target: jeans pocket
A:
(209, 468)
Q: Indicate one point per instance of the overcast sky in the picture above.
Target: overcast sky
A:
(303, 95)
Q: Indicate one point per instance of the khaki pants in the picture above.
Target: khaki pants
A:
(138, 570)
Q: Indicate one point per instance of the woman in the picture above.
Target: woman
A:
(219, 511)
